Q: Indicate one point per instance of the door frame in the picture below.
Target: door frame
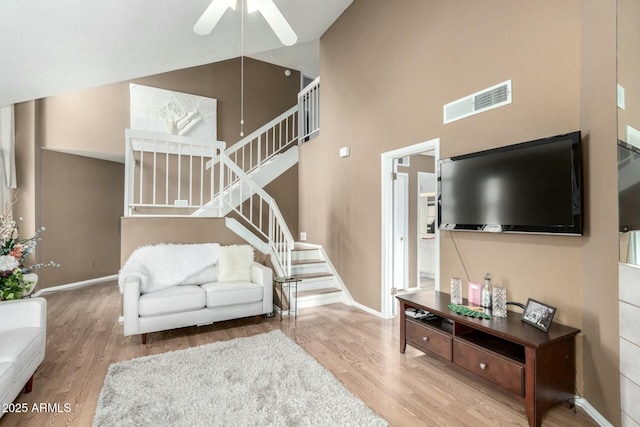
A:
(387, 301)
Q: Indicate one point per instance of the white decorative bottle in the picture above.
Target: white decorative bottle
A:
(485, 294)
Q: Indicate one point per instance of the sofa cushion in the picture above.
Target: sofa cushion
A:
(220, 294)
(7, 377)
(234, 263)
(19, 345)
(172, 300)
(209, 274)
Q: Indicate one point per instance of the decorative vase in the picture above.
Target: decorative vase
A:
(30, 277)
(499, 302)
(456, 290)
(485, 294)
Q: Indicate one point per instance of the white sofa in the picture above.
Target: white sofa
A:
(23, 329)
(197, 300)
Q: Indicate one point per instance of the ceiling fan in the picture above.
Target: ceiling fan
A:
(267, 8)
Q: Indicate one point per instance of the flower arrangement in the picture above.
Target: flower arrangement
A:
(13, 255)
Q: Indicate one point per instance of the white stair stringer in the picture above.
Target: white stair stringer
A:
(249, 237)
(242, 231)
(320, 282)
(262, 176)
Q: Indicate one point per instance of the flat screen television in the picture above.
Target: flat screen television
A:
(628, 187)
(531, 187)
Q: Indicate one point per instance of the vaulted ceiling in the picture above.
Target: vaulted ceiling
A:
(53, 47)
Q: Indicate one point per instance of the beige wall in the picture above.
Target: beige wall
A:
(599, 293)
(79, 199)
(386, 73)
(389, 74)
(81, 202)
(26, 207)
(137, 232)
(95, 119)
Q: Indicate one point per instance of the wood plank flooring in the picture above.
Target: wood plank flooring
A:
(361, 350)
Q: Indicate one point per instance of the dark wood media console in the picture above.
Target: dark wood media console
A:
(533, 366)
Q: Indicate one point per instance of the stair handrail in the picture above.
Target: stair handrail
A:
(277, 235)
(288, 118)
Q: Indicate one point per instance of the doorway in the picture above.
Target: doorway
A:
(391, 277)
(427, 213)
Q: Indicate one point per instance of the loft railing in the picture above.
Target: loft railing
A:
(309, 111)
(258, 209)
(169, 172)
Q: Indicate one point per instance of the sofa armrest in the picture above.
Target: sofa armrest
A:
(263, 275)
(260, 274)
(130, 305)
(23, 313)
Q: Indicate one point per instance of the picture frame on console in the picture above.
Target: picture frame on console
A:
(538, 314)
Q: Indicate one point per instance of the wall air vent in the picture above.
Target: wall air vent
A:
(487, 99)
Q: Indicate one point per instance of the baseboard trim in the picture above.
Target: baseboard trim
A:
(369, 310)
(75, 285)
(592, 412)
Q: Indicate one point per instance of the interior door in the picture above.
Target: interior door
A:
(400, 231)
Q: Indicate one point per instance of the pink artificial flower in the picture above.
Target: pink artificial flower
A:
(17, 251)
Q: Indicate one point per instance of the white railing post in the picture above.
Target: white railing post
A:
(129, 172)
(222, 162)
(309, 111)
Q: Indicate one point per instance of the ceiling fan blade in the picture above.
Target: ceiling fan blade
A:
(210, 17)
(277, 22)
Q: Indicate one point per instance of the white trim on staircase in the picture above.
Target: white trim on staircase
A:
(75, 285)
(347, 299)
(337, 277)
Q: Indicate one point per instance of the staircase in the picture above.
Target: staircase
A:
(319, 282)
(167, 175)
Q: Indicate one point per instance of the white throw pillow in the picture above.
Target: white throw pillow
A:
(235, 263)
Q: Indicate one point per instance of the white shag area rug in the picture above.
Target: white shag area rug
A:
(264, 380)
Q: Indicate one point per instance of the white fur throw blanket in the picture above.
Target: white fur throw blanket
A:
(165, 265)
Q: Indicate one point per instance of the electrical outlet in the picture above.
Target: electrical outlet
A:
(92, 264)
(303, 236)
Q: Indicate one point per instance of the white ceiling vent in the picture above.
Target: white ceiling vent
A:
(487, 99)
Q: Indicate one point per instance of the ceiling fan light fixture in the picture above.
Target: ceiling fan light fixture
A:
(277, 22)
(267, 8)
(231, 3)
(253, 6)
(212, 15)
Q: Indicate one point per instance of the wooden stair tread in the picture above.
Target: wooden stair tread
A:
(308, 261)
(298, 247)
(312, 275)
(321, 291)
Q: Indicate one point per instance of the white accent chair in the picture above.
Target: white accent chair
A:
(23, 329)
